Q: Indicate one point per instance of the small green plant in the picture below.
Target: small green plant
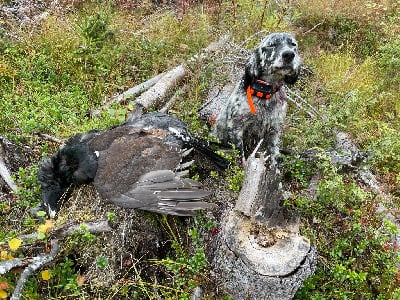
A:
(64, 278)
(389, 61)
(95, 31)
(28, 192)
(297, 170)
(81, 236)
(110, 216)
(186, 268)
(186, 264)
(235, 178)
(102, 262)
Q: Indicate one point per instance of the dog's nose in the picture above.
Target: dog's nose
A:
(288, 56)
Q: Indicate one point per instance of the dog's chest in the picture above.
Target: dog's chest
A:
(268, 111)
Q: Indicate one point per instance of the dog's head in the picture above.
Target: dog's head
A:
(275, 59)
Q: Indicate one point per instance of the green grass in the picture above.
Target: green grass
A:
(51, 77)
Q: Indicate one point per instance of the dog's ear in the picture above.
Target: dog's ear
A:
(252, 69)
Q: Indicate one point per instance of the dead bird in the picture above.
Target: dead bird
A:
(135, 165)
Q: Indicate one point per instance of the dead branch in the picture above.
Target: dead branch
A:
(173, 99)
(8, 265)
(4, 172)
(67, 229)
(310, 114)
(297, 96)
(50, 138)
(163, 83)
(315, 26)
(37, 263)
(153, 96)
(33, 264)
(94, 227)
(128, 94)
(257, 34)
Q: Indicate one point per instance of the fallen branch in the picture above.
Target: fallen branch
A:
(67, 229)
(6, 175)
(8, 265)
(155, 89)
(152, 97)
(32, 264)
(94, 227)
(50, 138)
(315, 26)
(128, 94)
(297, 96)
(310, 114)
(4, 172)
(37, 263)
(173, 99)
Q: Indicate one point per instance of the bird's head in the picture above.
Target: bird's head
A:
(72, 164)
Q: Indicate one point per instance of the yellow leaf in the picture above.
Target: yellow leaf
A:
(49, 224)
(3, 255)
(80, 280)
(14, 244)
(46, 227)
(3, 294)
(46, 275)
(42, 228)
(4, 285)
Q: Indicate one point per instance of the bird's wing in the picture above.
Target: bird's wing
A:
(137, 171)
(164, 191)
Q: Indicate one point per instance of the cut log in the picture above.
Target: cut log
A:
(152, 97)
(128, 94)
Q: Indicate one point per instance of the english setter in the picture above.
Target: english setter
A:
(257, 107)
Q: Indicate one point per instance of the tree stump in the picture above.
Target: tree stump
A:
(261, 254)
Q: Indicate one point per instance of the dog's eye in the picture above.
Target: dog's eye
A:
(293, 44)
(266, 49)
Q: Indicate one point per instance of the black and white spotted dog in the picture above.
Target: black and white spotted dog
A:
(257, 107)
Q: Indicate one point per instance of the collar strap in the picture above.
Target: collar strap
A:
(261, 89)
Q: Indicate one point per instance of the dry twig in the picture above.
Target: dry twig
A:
(37, 263)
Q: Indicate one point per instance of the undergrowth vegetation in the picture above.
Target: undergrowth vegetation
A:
(53, 75)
